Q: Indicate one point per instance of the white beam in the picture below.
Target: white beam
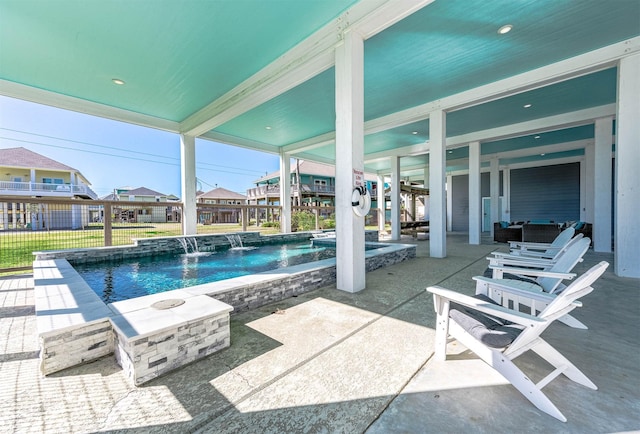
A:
(285, 193)
(188, 181)
(45, 97)
(307, 59)
(350, 253)
(602, 185)
(475, 197)
(395, 197)
(437, 192)
(240, 142)
(627, 200)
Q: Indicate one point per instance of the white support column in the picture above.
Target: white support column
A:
(437, 169)
(494, 191)
(506, 194)
(587, 183)
(188, 181)
(395, 197)
(475, 197)
(426, 198)
(627, 201)
(285, 193)
(350, 261)
(449, 198)
(382, 208)
(602, 185)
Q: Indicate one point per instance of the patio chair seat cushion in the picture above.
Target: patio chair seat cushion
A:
(491, 331)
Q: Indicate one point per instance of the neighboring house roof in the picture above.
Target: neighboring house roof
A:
(24, 158)
(221, 193)
(110, 196)
(310, 168)
(142, 191)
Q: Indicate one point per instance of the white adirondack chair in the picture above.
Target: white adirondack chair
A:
(544, 257)
(538, 286)
(507, 334)
(542, 249)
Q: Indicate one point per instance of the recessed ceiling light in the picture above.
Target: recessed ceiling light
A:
(526, 105)
(451, 152)
(505, 29)
(267, 128)
(542, 155)
(536, 137)
(117, 81)
(414, 132)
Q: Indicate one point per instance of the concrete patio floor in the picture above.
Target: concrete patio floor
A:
(333, 362)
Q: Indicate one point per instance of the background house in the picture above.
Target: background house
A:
(27, 174)
(137, 213)
(315, 186)
(220, 196)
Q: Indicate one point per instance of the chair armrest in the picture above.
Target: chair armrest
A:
(529, 245)
(515, 287)
(519, 261)
(532, 272)
(484, 307)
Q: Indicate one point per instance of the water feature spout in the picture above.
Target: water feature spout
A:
(190, 245)
(235, 241)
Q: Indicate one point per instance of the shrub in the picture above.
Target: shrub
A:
(303, 221)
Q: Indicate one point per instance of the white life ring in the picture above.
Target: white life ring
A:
(361, 201)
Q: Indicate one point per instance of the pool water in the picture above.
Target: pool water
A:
(123, 280)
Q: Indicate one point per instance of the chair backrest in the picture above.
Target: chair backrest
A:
(563, 238)
(561, 251)
(578, 288)
(559, 306)
(565, 264)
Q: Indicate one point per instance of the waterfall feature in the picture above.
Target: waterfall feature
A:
(190, 245)
(235, 241)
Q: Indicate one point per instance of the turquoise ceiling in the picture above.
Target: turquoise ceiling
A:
(178, 56)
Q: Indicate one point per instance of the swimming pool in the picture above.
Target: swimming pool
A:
(125, 279)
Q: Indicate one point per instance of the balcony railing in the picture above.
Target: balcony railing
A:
(274, 190)
(40, 189)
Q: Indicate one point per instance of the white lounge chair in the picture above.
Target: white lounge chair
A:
(498, 335)
(542, 249)
(548, 256)
(533, 287)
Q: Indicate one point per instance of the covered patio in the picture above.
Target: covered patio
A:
(331, 361)
(414, 90)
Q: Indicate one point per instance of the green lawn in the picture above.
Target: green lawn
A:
(16, 247)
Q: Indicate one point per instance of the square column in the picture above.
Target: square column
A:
(395, 197)
(602, 185)
(350, 261)
(188, 181)
(494, 192)
(627, 202)
(437, 192)
(587, 183)
(475, 196)
(382, 207)
(285, 193)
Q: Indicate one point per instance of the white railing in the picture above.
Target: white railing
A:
(274, 190)
(37, 189)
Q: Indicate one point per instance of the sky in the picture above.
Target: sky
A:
(113, 154)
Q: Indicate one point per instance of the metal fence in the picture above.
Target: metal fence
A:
(29, 224)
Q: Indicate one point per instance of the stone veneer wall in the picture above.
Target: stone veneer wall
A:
(61, 349)
(145, 358)
(251, 296)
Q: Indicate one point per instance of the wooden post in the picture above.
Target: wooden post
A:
(106, 219)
